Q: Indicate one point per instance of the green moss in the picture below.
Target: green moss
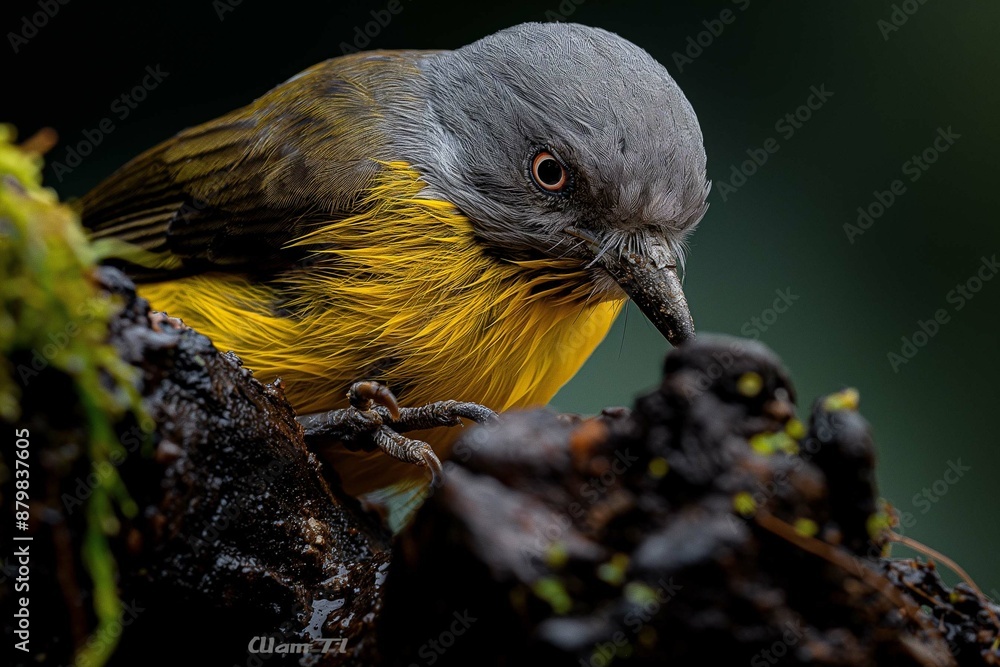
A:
(878, 524)
(795, 428)
(806, 527)
(640, 594)
(744, 504)
(771, 443)
(551, 590)
(750, 384)
(53, 313)
(556, 555)
(613, 572)
(848, 399)
(658, 467)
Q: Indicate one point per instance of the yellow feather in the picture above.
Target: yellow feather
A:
(404, 293)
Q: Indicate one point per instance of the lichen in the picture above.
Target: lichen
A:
(54, 318)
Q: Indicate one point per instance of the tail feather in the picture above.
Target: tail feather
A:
(397, 488)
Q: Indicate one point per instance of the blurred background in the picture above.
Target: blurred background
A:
(892, 111)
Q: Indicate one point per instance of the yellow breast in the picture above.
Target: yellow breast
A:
(405, 294)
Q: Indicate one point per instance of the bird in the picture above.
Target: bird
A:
(450, 230)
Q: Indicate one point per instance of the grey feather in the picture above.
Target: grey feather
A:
(601, 104)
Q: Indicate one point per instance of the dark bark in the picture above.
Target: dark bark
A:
(238, 534)
(673, 534)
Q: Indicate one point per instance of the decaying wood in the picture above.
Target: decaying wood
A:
(706, 526)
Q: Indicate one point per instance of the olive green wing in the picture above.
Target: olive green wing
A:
(231, 194)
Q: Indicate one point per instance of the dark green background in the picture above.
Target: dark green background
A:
(782, 230)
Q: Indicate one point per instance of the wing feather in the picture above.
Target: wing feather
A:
(233, 193)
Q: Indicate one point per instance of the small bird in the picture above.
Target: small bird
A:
(461, 225)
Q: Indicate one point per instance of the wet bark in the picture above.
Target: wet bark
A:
(706, 525)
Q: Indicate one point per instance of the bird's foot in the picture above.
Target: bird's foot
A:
(376, 419)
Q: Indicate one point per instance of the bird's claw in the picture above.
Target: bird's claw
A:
(363, 395)
(408, 450)
(374, 414)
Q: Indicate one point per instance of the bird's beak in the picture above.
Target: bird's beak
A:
(651, 280)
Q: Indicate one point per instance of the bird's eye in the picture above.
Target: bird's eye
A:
(549, 173)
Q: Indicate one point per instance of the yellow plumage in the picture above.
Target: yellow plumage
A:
(401, 292)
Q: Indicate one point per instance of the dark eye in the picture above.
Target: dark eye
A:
(549, 173)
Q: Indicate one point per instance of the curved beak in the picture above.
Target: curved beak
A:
(651, 280)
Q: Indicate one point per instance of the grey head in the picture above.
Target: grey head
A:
(564, 141)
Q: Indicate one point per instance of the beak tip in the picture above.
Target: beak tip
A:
(653, 283)
(680, 332)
